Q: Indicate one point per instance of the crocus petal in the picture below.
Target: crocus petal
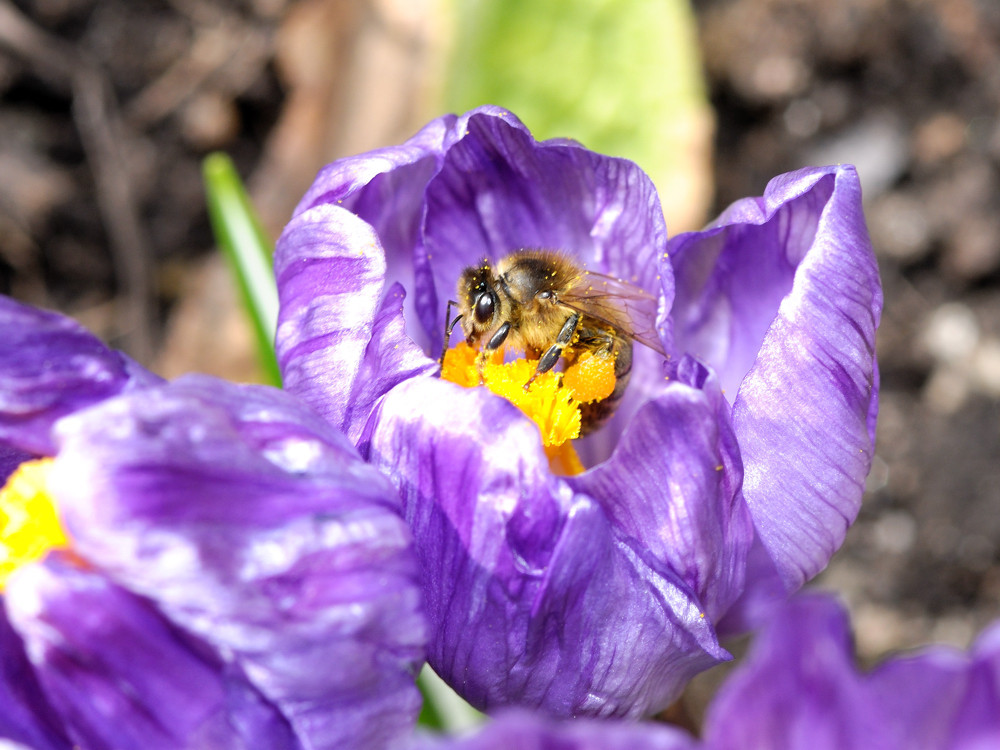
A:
(539, 594)
(385, 188)
(781, 296)
(499, 190)
(341, 345)
(918, 697)
(350, 179)
(253, 524)
(529, 731)
(797, 689)
(51, 366)
(977, 721)
(119, 675)
(942, 698)
(673, 486)
(26, 718)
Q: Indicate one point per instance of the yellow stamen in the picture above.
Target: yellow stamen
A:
(546, 402)
(563, 459)
(29, 525)
(549, 401)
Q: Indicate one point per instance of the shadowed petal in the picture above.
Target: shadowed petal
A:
(51, 366)
(253, 524)
(799, 689)
(528, 731)
(672, 485)
(120, 676)
(535, 596)
(10, 459)
(782, 297)
(26, 716)
(385, 188)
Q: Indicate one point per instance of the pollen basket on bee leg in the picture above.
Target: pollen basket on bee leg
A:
(591, 377)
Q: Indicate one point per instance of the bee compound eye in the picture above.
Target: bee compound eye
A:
(485, 306)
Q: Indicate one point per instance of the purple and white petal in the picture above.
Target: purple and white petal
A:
(781, 296)
(535, 595)
(340, 343)
(253, 524)
(672, 487)
(499, 190)
(26, 716)
(120, 676)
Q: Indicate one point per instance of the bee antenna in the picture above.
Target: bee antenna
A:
(449, 327)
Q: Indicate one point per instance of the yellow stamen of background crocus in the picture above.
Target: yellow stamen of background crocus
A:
(548, 402)
(29, 525)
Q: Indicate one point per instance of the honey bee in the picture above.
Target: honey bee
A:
(546, 304)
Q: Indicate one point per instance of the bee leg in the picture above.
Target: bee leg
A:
(553, 353)
(495, 342)
(449, 327)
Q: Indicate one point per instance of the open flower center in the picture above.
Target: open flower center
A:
(29, 524)
(552, 401)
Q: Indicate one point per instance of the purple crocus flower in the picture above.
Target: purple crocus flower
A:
(596, 594)
(800, 689)
(234, 577)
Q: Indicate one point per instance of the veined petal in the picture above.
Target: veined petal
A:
(51, 366)
(534, 595)
(499, 190)
(781, 296)
(253, 524)
(673, 486)
(385, 188)
(27, 717)
(120, 676)
(340, 344)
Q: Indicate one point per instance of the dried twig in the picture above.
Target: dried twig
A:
(105, 140)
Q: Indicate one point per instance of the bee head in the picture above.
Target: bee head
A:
(480, 302)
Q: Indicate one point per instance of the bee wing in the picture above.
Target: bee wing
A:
(619, 304)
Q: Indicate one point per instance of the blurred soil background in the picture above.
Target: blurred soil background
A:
(107, 108)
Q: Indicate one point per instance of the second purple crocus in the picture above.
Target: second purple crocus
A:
(597, 594)
(230, 573)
